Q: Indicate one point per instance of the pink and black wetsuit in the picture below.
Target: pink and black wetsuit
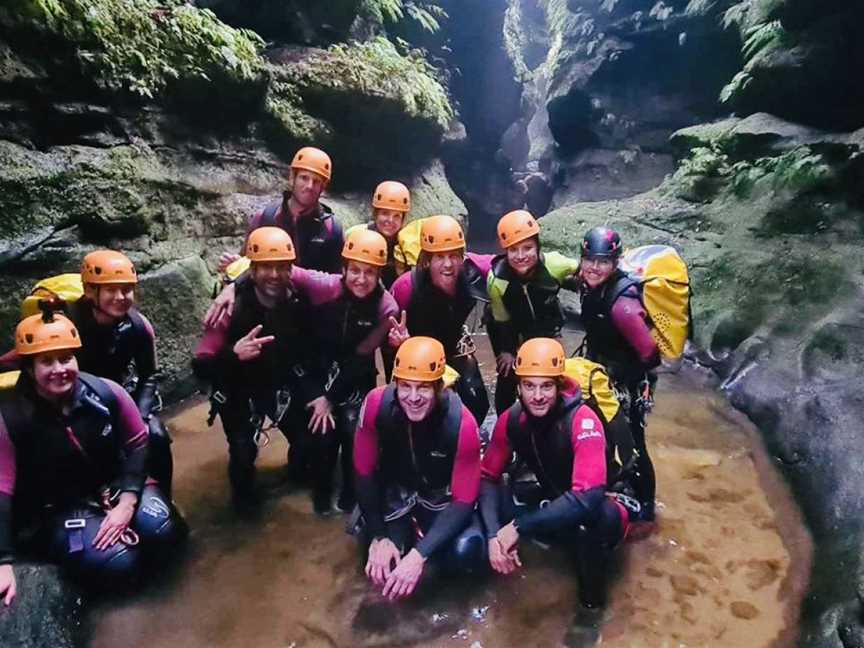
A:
(317, 237)
(434, 313)
(57, 460)
(617, 335)
(427, 472)
(347, 333)
(566, 451)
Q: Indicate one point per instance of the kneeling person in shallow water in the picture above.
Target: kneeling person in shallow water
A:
(253, 359)
(563, 443)
(417, 464)
(73, 451)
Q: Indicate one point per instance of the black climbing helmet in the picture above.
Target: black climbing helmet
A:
(601, 242)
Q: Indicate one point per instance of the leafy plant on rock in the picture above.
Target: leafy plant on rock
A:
(426, 14)
(142, 46)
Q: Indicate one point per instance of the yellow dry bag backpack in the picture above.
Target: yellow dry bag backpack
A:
(665, 287)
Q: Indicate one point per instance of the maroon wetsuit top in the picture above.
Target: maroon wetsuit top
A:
(74, 444)
(587, 472)
(371, 474)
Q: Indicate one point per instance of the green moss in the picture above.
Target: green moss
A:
(143, 46)
(375, 69)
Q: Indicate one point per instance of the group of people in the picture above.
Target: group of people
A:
(290, 344)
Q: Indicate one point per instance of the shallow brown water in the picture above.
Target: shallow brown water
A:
(727, 567)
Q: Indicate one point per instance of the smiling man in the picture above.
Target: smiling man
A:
(252, 359)
(563, 443)
(314, 230)
(417, 464)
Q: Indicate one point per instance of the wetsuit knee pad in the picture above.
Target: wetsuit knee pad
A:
(155, 519)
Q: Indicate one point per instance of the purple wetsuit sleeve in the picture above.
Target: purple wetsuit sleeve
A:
(402, 289)
(7, 489)
(366, 465)
(318, 287)
(7, 461)
(629, 317)
(212, 351)
(482, 261)
(133, 435)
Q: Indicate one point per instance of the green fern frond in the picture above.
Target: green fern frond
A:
(761, 37)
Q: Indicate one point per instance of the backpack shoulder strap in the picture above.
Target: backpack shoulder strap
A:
(268, 216)
(101, 389)
(619, 286)
(453, 420)
(513, 420)
(384, 417)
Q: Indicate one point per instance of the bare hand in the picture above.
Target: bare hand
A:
(508, 536)
(226, 259)
(501, 561)
(398, 330)
(403, 580)
(322, 415)
(249, 346)
(221, 307)
(116, 522)
(505, 362)
(383, 556)
(8, 587)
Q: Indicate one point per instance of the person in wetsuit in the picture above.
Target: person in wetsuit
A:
(73, 455)
(254, 360)
(352, 313)
(391, 203)
(617, 335)
(523, 285)
(119, 344)
(562, 440)
(436, 299)
(417, 465)
(312, 226)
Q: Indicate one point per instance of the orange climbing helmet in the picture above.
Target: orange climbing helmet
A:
(540, 358)
(315, 160)
(270, 244)
(108, 267)
(392, 195)
(441, 234)
(420, 358)
(516, 226)
(45, 332)
(366, 246)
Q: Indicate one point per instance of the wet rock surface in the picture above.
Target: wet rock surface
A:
(45, 614)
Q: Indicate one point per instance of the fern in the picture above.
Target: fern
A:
(761, 37)
(426, 14)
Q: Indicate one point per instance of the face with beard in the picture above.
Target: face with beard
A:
(271, 278)
(538, 395)
(306, 188)
(444, 269)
